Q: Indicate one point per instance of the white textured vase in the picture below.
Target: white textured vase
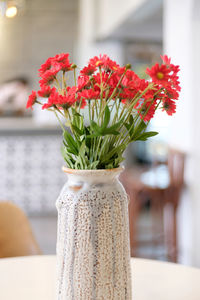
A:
(93, 253)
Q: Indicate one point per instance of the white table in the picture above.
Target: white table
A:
(33, 278)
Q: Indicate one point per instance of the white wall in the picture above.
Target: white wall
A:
(182, 42)
(46, 27)
(178, 45)
(196, 130)
(87, 44)
(112, 13)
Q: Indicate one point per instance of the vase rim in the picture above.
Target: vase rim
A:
(87, 172)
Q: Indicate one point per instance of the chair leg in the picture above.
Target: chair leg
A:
(171, 232)
(174, 238)
(157, 222)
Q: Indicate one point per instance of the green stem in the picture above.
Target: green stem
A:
(61, 125)
(58, 85)
(75, 76)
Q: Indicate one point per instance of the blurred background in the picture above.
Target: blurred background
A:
(162, 176)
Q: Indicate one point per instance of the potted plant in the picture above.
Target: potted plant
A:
(107, 108)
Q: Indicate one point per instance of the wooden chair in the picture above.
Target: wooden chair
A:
(163, 196)
(176, 164)
(16, 237)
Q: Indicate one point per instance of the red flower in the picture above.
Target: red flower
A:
(159, 74)
(62, 62)
(62, 66)
(169, 106)
(129, 77)
(127, 95)
(124, 101)
(113, 81)
(83, 82)
(148, 110)
(109, 64)
(65, 66)
(165, 76)
(82, 102)
(46, 66)
(172, 93)
(166, 59)
(102, 79)
(89, 70)
(61, 58)
(132, 82)
(70, 98)
(175, 69)
(103, 61)
(132, 85)
(58, 63)
(120, 71)
(49, 76)
(96, 61)
(52, 100)
(45, 91)
(64, 101)
(88, 94)
(31, 100)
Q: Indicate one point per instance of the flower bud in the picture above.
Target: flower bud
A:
(128, 66)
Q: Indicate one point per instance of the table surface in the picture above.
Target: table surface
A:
(33, 278)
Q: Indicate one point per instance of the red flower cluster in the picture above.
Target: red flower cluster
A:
(104, 79)
(31, 100)
(45, 91)
(52, 66)
(61, 101)
(48, 74)
(60, 62)
(166, 79)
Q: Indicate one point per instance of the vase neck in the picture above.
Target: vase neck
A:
(93, 176)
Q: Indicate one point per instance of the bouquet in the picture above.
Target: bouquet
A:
(107, 108)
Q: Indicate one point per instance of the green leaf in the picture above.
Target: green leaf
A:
(130, 128)
(87, 137)
(77, 130)
(75, 113)
(106, 117)
(110, 131)
(131, 120)
(98, 131)
(70, 142)
(140, 128)
(94, 164)
(127, 125)
(116, 150)
(82, 149)
(118, 160)
(109, 166)
(95, 127)
(144, 136)
(67, 157)
(116, 125)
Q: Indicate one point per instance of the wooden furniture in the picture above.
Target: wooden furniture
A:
(171, 195)
(162, 185)
(16, 237)
(34, 278)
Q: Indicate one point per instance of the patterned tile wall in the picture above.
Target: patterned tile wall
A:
(30, 171)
